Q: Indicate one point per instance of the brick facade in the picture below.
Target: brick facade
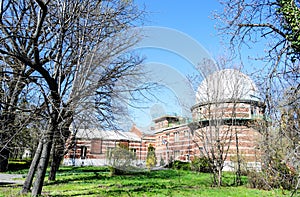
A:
(92, 147)
(176, 138)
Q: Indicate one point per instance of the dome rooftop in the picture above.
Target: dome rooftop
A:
(226, 85)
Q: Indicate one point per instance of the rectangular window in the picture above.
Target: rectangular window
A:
(96, 147)
(201, 150)
(164, 141)
(252, 110)
(186, 133)
(83, 151)
(133, 150)
(176, 136)
(176, 154)
(109, 151)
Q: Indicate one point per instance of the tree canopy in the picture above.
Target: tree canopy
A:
(272, 22)
(66, 52)
(274, 26)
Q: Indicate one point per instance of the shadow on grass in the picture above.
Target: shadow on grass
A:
(138, 183)
(72, 174)
(82, 169)
(117, 189)
(151, 174)
(78, 177)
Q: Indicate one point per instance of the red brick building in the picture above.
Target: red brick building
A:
(226, 106)
(174, 140)
(92, 147)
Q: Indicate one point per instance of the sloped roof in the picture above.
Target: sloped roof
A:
(106, 135)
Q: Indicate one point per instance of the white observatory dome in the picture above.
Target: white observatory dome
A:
(226, 85)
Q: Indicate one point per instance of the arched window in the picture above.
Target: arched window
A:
(83, 152)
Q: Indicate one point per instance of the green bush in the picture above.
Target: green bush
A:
(257, 180)
(201, 164)
(151, 157)
(276, 175)
(121, 160)
(179, 165)
(130, 170)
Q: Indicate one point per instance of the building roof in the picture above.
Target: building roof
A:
(226, 85)
(106, 135)
(166, 117)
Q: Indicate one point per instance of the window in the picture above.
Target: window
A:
(176, 136)
(176, 154)
(133, 150)
(96, 147)
(201, 149)
(83, 152)
(252, 110)
(186, 133)
(164, 142)
(109, 151)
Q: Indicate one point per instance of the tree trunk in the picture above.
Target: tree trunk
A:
(58, 149)
(4, 154)
(219, 177)
(52, 172)
(32, 169)
(238, 171)
(57, 156)
(214, 176)
(6, 128)
(45, 156)
(56, 160)
(42, 167)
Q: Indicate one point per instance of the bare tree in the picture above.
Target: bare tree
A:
(274, 25)
(13, 80)
(220, 116)
(58, 40)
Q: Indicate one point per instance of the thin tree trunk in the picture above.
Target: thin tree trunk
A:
(219, 177)
(4, 154)
(58, 150)
(57, 156)
(52, 172)
(238, 172)
(44, 159)
(296, 187)
(6, 127)
(215, 176)
(32, 169)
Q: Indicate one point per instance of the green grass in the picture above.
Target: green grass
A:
(96, 181)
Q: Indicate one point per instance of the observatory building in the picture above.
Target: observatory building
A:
(224, 116)
(223, 123)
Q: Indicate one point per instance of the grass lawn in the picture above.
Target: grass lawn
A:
(96, 181)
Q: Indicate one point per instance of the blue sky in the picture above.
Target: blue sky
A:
(184, 33)
(193, 20)
(193, 17)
